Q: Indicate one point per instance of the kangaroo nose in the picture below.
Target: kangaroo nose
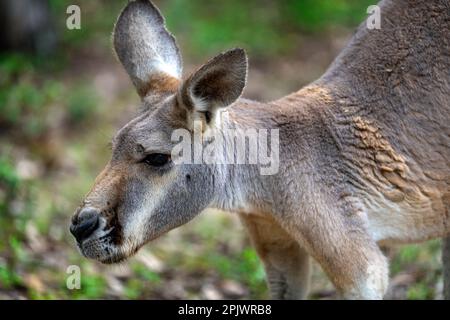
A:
(85, 223)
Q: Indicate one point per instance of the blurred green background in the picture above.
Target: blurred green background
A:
(63, 97)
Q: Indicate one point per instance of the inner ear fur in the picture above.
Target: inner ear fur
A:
(217, 84)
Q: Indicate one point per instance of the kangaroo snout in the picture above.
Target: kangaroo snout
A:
(84, 223)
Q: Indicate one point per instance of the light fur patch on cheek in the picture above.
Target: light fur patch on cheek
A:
(136, 222)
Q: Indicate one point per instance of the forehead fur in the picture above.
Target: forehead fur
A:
(152, 129)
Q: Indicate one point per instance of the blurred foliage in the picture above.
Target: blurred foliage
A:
(263, 27)
(12, 222)
(54, 127)
(27, 96)
(422, 260)
(97, 20)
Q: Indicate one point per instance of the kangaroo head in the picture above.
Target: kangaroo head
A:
(142, 193)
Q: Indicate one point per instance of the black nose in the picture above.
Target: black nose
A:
(85, 223)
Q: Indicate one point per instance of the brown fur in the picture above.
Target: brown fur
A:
(159, 84)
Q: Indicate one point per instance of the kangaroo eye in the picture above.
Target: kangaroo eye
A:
(156, 159)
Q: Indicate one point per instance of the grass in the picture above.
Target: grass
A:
(424, 262)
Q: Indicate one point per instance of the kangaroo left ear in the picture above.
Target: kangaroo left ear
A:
(147, 50)
(217, 84)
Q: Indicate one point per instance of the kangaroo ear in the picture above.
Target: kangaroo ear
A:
(147, 50)
(217, 84)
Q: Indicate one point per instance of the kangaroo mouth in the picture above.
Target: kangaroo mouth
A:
(104, 253)
(109, 245)
(104, 250)
(114, 259)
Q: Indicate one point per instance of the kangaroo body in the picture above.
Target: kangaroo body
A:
(364, 157)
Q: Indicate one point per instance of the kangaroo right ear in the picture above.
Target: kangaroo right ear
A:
(217, 84)
(147, 50)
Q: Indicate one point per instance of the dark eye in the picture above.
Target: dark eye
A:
(156, 159)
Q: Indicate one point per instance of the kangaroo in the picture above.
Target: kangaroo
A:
(364, 152)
